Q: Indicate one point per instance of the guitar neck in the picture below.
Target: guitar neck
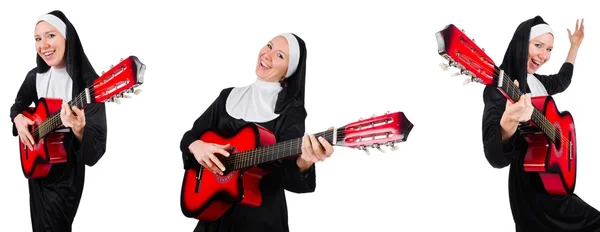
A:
(514, 93)
(274, 152)
(53, 121)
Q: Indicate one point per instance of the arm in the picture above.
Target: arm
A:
(206, 121)
(294, 179)
(93, 140)
(25, 96)
(498, 153)
(559, 82)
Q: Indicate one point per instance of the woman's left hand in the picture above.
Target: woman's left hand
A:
(74, 119)
(577, 37)
(314, 150)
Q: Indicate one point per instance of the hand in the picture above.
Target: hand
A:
(314, 150)
(577, 37)
(205, 155)
(519, 111)
(22, 124)
(74, 119)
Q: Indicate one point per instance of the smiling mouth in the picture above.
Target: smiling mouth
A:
(536, 63)
(264, 65)
(49, 53)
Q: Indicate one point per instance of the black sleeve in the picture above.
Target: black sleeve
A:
(293, 180)
(27, 94)
(499, 155)
(93, 143)
(559, 82)
(207, 120)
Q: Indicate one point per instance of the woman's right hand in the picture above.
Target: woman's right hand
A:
(22, 124)
(205, 155)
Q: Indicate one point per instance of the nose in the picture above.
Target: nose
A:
(544, 55)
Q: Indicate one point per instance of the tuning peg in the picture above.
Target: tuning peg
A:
(393, 147)
(456, 74)
(111, 66)
(103, 72)
(444, 66)
(483, 49)
(137, 91)
(473, 40)
(462, 30)
(378, 147)
(121, 59)
(118, 100)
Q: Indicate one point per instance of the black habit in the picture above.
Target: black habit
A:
(54, 200)
(533, 209)
(272, 214)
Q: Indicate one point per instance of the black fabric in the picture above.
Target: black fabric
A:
(271, 215)
(54, 200)
(532, 208)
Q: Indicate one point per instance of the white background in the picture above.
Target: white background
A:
(363, 59)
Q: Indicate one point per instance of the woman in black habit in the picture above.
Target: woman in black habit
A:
(62, 71)
(533, 209)
(275, 101)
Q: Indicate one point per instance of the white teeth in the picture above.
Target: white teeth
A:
(264, 65)
(48, 53)
(535, 62)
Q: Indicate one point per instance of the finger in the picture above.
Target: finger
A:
(29, 121)
(577, 24)
(77, 111)
(581, 26)
(305, 153)
(217, 162)
(330, 128)
(30, 138)
(306, 145)
(220, 151)
(327, 146)
(516, 83)
(209, 164)
(569, 31)
(316, 147)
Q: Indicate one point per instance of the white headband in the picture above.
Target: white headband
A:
(55, 22)
(538, 30)
(294, 56)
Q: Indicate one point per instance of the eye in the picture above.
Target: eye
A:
(538, 45)
(549, 49)
(269, 46)
(280, 56)
(51, 36)
(37, 39)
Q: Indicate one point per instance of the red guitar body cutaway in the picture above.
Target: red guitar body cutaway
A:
(208, 197)
(554, 162)
(49, 150)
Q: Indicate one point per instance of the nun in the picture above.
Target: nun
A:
(62, 71)
(533, 209)
(275, 101)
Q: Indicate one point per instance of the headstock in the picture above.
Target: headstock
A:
(461, 52)
(119, 81)
(377, 131)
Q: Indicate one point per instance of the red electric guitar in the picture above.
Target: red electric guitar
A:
(552, 150)
(48, 149)
(207, 196)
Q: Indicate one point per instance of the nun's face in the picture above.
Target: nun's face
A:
(50, 44)
(273, 60)
(539, 51)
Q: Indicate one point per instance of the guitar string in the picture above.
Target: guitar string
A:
(54, 118)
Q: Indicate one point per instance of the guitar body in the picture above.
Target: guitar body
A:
(207, 196)
(555, 163)
(48, 150)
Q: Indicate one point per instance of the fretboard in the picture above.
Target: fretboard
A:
(53, 120)
(273, 152)
(537, 117)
